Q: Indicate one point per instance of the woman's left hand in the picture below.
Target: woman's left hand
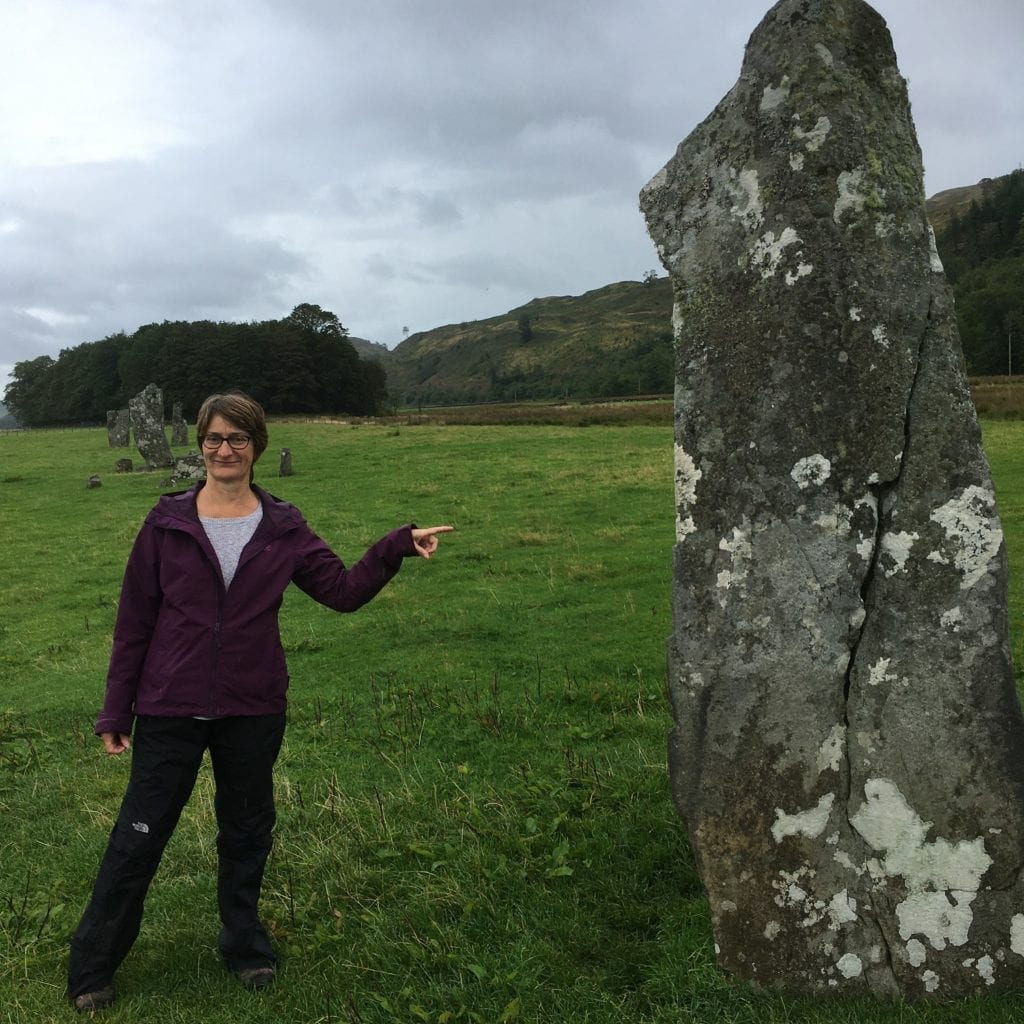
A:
(426, 540)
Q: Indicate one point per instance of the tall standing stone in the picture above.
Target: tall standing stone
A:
(117, 428)
(146, 411)
(179, 428)
(848, 748)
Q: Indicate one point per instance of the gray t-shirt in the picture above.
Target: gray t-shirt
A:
(228, 537)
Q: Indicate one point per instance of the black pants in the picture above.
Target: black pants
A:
(166, 755)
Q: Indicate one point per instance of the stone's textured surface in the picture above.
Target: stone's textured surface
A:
(186, 470)
(848, 749)
(179, 428)
(117, 428)
(123, 466)
(146, 412)
(286, 463)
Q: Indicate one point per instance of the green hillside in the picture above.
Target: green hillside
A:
(613, 340)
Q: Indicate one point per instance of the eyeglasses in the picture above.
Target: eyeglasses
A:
(238, 442)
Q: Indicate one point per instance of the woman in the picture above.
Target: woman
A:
(196, 665)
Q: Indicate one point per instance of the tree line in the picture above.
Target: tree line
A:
(983, 254)
(302, 363)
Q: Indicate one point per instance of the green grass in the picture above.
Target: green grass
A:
(474, 819)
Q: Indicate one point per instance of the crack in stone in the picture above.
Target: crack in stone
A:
(882, 493)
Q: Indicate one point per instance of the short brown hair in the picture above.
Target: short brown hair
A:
(240, 409)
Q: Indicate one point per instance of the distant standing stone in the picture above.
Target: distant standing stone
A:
(848, 747)
(146, 411)
(286, 462)
(93, 482)
(179, 428)
(123, 466)
(117, 428)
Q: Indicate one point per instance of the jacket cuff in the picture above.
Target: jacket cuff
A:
(408, 548)
(114, 723)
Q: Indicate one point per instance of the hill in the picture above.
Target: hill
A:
(368, 349)
(945, 206)
(612, 340)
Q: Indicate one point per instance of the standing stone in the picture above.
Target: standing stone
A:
(123, 466)
(286, 463)
(179, 428)
(848, 748)
(93, 481)
(146, 411)
(117, 428)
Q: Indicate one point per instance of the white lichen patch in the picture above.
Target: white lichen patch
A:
(775, 96)
(879, 334)
(810, 823)
(1017, 934)
(896, 547)
(843, 859)
(850, 198)
(934, 259)
(796, 161)
(772, 930)
(850, 965)
(791, 895)
(842, 909)
(970, 522)
(831, 751)
(879, 673)
(942, 878)
(746, 193)
(802, 270)
(986, 969)
(931, 981)
(687, 478)
(917, 953)
(813, 140)
(811, 471)
(767, 252)
(854, 313)
(951, 619)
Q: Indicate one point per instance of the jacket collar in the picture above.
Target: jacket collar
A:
(177, 511)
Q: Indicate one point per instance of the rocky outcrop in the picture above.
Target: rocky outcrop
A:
(848, 748)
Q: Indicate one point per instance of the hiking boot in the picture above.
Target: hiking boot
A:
(255, 978)
(98, 1000)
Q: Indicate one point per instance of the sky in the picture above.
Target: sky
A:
(402, 163)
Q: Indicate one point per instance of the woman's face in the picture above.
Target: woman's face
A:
(224, 464)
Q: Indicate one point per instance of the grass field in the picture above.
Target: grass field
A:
(474, 820)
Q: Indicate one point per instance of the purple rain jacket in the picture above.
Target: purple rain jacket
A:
(184, 646)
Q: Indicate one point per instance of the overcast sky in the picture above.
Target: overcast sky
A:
(403, 163)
